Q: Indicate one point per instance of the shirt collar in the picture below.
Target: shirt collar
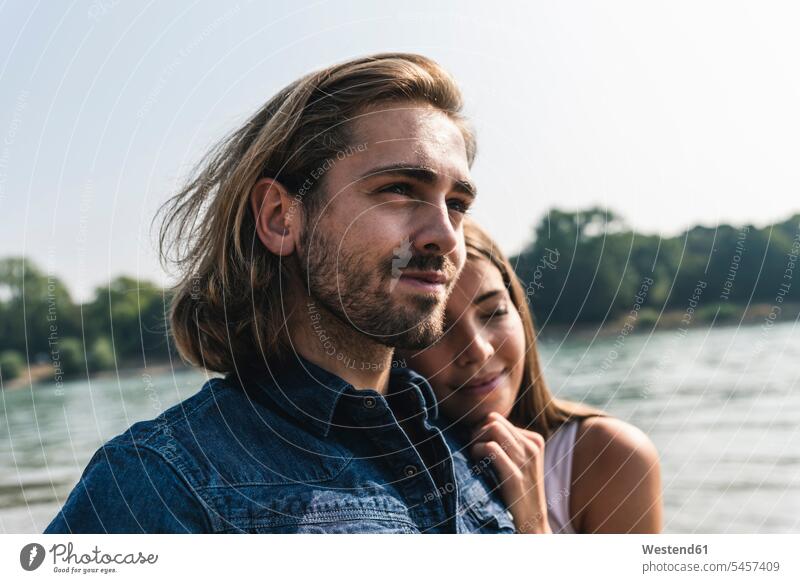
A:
(310, 393)
(405, 378)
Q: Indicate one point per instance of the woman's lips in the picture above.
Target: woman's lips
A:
(484, 386)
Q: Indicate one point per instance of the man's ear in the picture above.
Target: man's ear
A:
(277, 221)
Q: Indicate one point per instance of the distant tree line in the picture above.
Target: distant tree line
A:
(122, 326)
(588, 266)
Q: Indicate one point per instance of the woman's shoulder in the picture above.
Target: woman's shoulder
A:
(610, 438)
(616, 478)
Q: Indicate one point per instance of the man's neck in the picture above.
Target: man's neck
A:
(320, 337)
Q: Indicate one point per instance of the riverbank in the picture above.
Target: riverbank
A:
(644, 321)
(40, 374)
(648, 320)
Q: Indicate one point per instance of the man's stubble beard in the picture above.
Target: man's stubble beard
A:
(355, 292)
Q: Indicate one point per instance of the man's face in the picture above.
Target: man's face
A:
(384, 249)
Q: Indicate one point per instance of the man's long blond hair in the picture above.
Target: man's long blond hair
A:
(227, 311)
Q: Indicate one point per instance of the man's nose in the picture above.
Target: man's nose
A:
(436, 234)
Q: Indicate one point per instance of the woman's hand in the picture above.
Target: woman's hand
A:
(518, 458)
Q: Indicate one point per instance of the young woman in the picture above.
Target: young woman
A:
(563, 467)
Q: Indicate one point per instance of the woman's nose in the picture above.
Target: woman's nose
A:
(477, 350)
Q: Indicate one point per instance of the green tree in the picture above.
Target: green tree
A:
(130, 313)
(12, 363)
(591, 278)
(37, 308)
(69, 356)
(101, 355)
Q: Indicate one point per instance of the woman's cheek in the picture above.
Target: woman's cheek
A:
(513, 356)
(429, 363)
(509, 340)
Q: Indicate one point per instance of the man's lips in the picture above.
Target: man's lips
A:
(483, 384)
(432, 281)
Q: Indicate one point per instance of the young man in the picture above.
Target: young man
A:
(317, 238)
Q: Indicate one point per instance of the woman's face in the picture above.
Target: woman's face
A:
(476, 367)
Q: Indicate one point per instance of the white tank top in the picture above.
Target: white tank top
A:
(558, 476)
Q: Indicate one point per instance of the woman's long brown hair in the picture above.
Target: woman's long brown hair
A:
(535, 407)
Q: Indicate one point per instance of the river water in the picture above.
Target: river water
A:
(722, 405)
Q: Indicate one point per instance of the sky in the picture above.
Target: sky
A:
(670, 114)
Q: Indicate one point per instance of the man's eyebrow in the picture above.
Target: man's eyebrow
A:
(422, 174)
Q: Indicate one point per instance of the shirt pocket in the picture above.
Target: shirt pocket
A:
(481, 513)
(281, 510)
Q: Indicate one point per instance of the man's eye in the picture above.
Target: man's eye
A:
(459, 206)
(397, 188)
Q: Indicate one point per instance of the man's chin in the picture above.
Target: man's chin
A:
(422, 304)
(416, 334)
(418, 342)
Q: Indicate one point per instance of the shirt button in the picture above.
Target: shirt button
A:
(369, 402)
(410, 470)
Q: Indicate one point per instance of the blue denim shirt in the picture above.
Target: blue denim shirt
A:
(294, 449)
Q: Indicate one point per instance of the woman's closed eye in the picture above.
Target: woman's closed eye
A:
(495, 313)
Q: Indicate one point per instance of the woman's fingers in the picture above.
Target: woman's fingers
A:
(533, 443)
(521, 484)
(522, 445)
(536, 437)
(518, 458)
(508, 471)
(497, 431)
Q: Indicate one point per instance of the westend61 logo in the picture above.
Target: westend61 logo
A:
(65, 560)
